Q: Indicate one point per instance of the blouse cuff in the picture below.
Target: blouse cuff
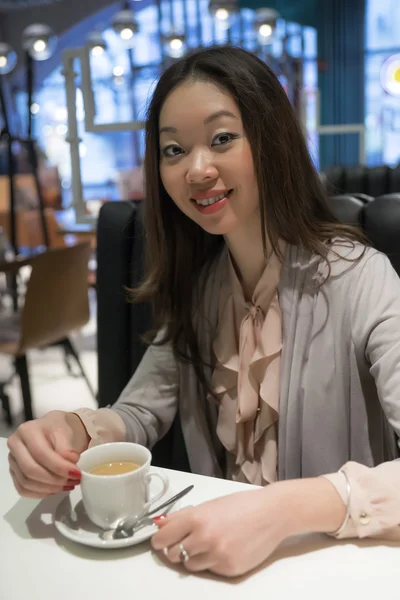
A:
(102, 425)
(374, 499)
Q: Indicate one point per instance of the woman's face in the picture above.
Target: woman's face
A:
(206, 164)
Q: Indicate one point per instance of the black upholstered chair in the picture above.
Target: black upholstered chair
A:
(382, 226)
(120, 323)
(372, 181)
(379, 219)
(347, 209)
(394, 180)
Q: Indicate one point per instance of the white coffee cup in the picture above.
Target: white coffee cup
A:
(109, 498)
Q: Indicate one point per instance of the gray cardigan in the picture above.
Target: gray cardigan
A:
(340, 369)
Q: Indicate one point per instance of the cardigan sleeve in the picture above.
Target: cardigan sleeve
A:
(375, 318)
(147, 406)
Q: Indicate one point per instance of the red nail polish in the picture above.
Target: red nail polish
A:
(73, 482)
(156, 520)
(68, 488)
(75, 474)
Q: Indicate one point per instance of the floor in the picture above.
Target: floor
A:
(51, 385)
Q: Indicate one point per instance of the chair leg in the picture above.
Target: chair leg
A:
(67, 353)
(21, 366)
(5, 403)
(70, 349)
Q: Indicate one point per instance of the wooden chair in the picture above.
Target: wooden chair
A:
(56, 303)
(30, 235)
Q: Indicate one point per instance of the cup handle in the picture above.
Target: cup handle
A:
(165, 481)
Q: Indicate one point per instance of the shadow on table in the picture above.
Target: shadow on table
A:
(32, 520)
(295, 546)
(29, 519)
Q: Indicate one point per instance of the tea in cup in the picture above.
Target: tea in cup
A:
(115, 482)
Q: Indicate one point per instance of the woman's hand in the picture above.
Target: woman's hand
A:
(234, 534)
(228, 536)
(44, 452)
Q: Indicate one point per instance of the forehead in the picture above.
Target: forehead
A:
(195, 100)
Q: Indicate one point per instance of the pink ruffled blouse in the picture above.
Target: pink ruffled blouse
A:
(246, 377)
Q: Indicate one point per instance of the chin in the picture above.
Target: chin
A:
(221, 228)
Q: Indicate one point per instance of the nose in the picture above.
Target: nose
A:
(201, 167)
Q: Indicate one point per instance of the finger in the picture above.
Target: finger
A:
(36, 457)
(28, 465)
(201, 562)
(60, 445)
(33, 486)
(164, 519)
(193, 545)
(51, 451)
(172, 532)
(25, 492)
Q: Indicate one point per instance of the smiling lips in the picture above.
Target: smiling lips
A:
(211, 201)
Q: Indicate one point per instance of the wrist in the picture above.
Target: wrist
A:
(311, 506)
(81, 438)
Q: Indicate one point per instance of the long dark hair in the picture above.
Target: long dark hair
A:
(293, 203)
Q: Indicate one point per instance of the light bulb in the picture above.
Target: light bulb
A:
(126, 34)
(265, 24)
(39, 41)
(96, 43)
(8, 59)
(39, 46)
(118, 71)
(176, 44)
(97, 51)
(265, 30)
(222, 14)
(125, 26)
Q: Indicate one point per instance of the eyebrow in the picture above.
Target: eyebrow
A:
(207, 121)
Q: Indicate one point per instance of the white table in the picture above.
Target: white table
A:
(37, 563)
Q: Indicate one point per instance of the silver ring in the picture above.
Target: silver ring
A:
(183, 555)
(165, 551)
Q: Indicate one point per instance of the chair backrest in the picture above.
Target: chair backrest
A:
(377, 181)
(394, 180)
(56, 300)
(116, 341)
(382, 226)
(347, 209)
(354, 179)
(373, 181)
(29, 228)
(121, 324)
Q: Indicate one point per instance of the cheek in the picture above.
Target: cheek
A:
(248, 165)
(175, 188)
(172, 182)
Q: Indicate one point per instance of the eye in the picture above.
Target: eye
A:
(224, 138)
(171, 151)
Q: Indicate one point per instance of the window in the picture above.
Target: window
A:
(122, 94)
(382, 82)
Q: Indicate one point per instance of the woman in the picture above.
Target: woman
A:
(278, 332)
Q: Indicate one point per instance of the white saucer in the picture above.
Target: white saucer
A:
(72, 521)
